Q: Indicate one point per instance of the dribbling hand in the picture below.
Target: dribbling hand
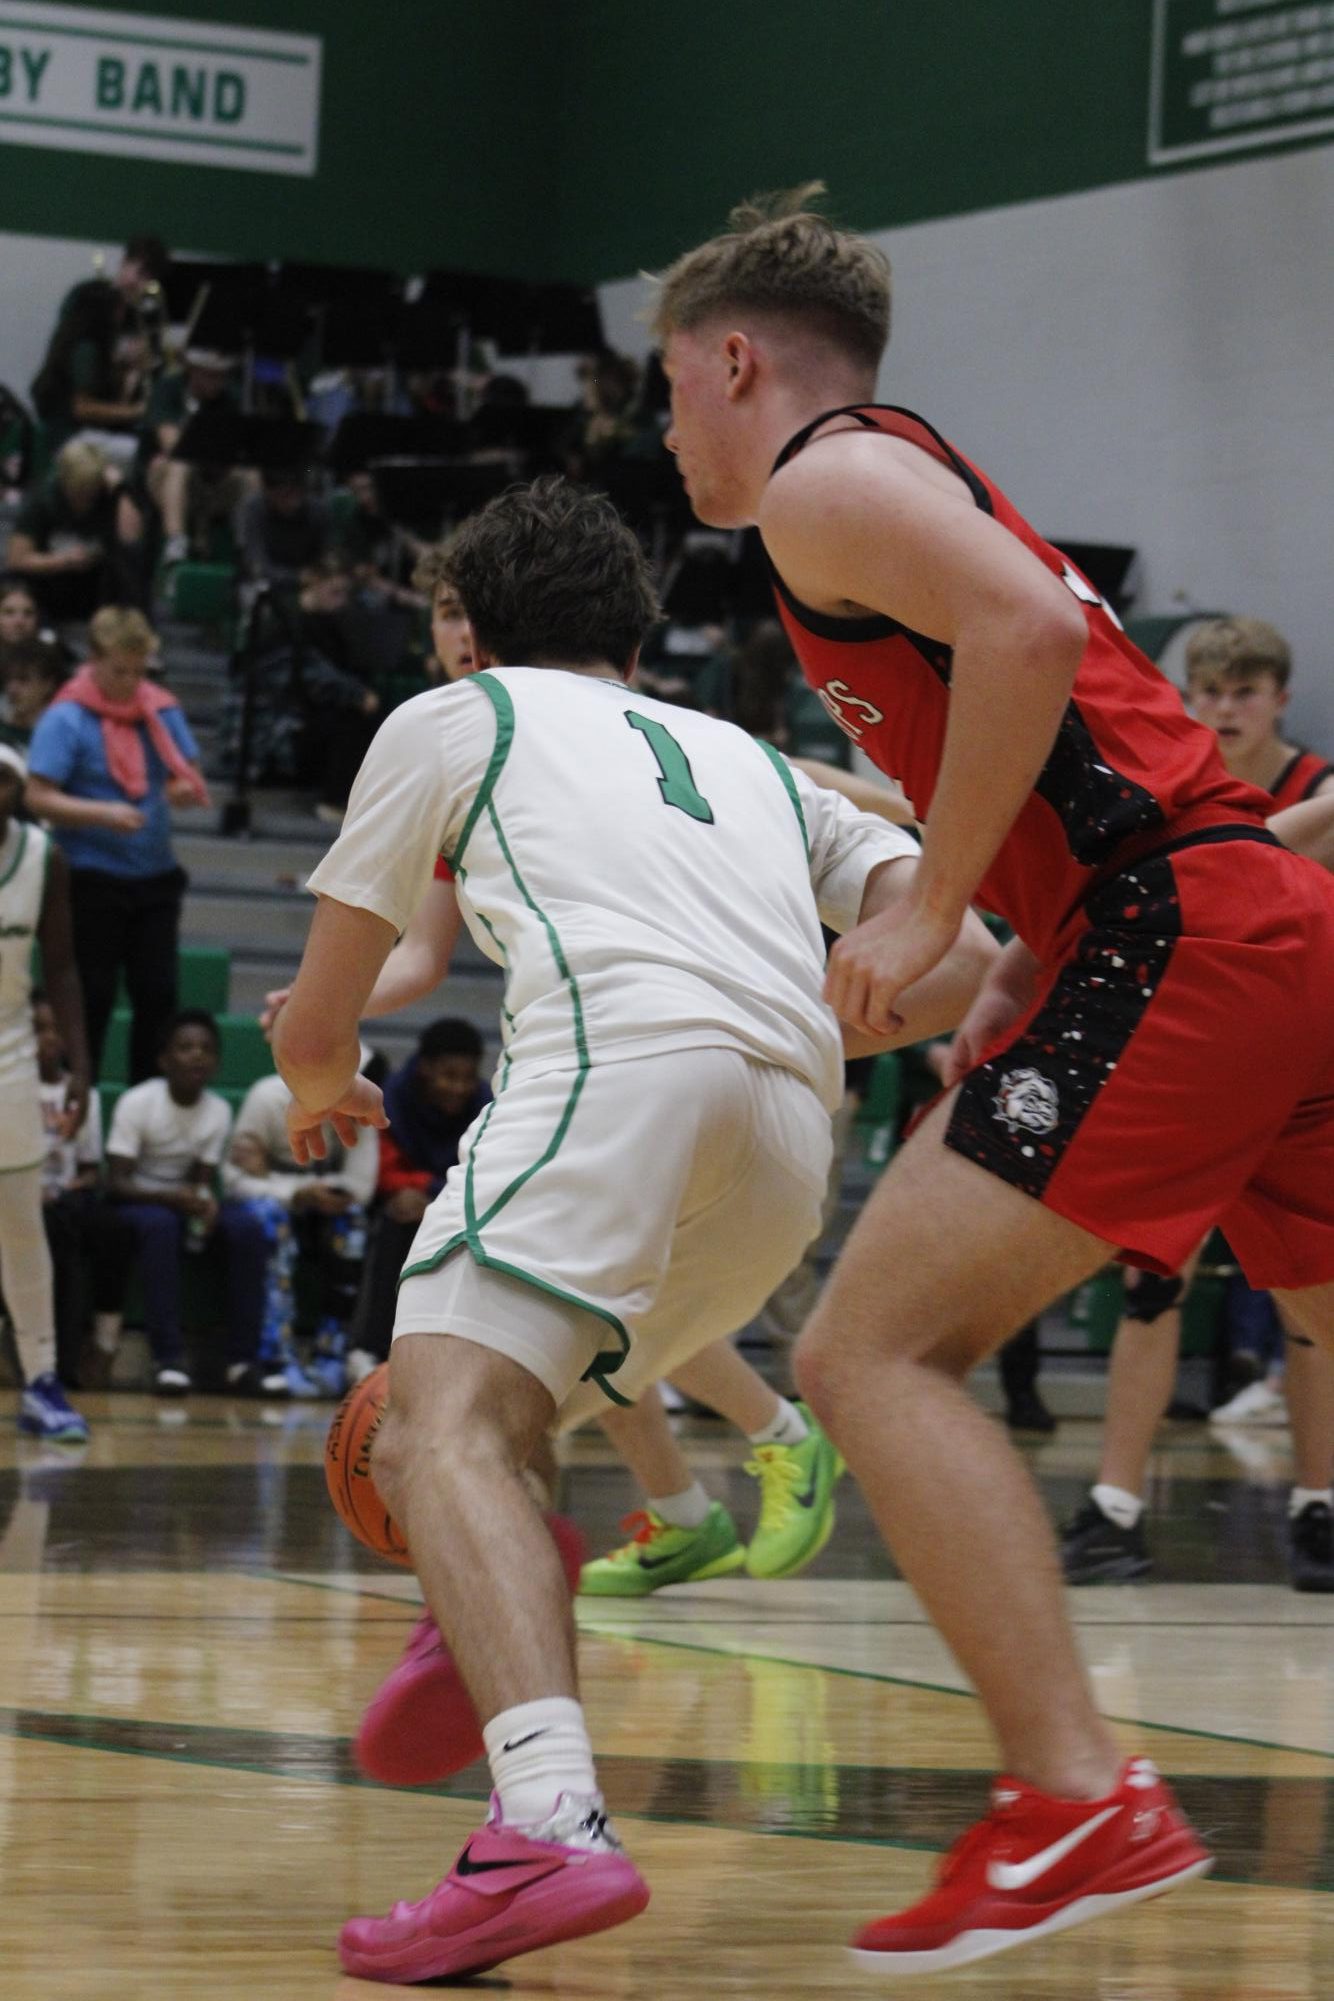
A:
(360, 1105)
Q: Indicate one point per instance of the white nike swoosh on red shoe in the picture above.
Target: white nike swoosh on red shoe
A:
(1018, 1875)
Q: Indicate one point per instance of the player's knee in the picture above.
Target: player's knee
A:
(819, 1372)
(1152, 1295)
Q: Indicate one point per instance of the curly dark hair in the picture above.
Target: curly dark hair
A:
(550, 575)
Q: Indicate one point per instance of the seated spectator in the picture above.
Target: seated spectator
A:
(172, 509)
(167, 1141)
(283, 530)
(430, 1104)
(64, 538)
(108, 760)
(609, 425)
(32, 673)
(375, 549)
(83, 382)
(316, 1212)
(91, 1246)
(312, 716)
(20, 615)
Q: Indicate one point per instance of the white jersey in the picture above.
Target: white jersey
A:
(650, 879)
(23, 860)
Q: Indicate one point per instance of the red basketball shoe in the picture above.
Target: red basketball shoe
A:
(420, 1727)
(512, 1890)
(1038, 1865)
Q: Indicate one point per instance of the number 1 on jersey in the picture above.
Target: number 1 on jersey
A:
(676, 781)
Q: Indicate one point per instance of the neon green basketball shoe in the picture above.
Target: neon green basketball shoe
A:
(659, 1554)
(796, 1502)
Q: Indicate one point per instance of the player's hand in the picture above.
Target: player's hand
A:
(180, 792)
(75, 1108)
(1003, 999)
(274, 1002)
(880, 959)
(360, 1105)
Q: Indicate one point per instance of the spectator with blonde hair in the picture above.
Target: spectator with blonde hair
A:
(64, 537)
(108, 760)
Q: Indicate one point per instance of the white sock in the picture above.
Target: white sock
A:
(106, 1331)
(788, 1428)
(687, 1510)
(537, 1751)
(1306, 1497)
(1120, 1507)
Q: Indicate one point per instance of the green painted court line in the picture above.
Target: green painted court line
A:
(818, 1667)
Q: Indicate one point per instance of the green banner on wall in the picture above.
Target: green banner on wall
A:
(89, 80)
(1230, 74)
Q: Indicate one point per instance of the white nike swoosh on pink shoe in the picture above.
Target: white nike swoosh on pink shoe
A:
(1019, 1875)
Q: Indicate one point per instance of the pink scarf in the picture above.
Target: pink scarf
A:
(121, 740)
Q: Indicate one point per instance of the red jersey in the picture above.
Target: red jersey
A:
(1298, 779)
(1129, 770)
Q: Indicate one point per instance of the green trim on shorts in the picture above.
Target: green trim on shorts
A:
(605, 1363)
(499, 697)
(32, 1166)
(506, 1059)
(19, 852)
(784, 770)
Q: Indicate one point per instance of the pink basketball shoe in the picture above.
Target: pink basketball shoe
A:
(512, 1890)
(420, 1727)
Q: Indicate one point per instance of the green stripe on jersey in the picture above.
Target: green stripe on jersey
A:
(501, 701)
(784, 770)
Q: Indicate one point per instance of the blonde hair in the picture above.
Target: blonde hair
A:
(119, 628)
(80, 465)
(1234, 647)
(781, 257)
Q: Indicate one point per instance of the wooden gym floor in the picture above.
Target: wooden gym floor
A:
(189, 1636)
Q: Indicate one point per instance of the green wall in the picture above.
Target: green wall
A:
(431, 145)
(908, 109)
(587, 138)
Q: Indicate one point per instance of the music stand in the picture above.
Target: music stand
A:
(426, 496)
(365, 436)
(218, 434)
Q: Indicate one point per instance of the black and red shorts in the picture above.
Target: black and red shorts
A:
(1177, 1068)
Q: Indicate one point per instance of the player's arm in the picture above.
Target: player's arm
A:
(864, 871)
(370, 885)
(940, 1000)
(421, 957)
(853, 523)
(1308, 828)
(868, 795)
(55, 933)
(316, 1038)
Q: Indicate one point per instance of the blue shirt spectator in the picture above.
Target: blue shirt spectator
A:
(68, 750)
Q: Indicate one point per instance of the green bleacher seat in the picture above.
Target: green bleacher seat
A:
(878, 1113)
(204, 977)
(116, 1049)
(203, 593)
(245, 1054)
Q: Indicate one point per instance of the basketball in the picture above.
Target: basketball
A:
(347, 1468)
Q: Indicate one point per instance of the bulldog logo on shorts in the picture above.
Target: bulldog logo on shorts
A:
(1027, 1102)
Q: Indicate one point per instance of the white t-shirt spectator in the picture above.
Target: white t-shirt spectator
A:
(263, 1117)
(66, 1158)
(164, 1139)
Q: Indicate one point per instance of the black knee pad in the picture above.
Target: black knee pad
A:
(1152, 1295)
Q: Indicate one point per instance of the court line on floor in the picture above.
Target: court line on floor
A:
(604, 1632)
(919, 1790)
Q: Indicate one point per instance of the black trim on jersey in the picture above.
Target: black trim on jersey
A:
(858, 410)
(1317, 778)
(1019, 1114)
(860, 631)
